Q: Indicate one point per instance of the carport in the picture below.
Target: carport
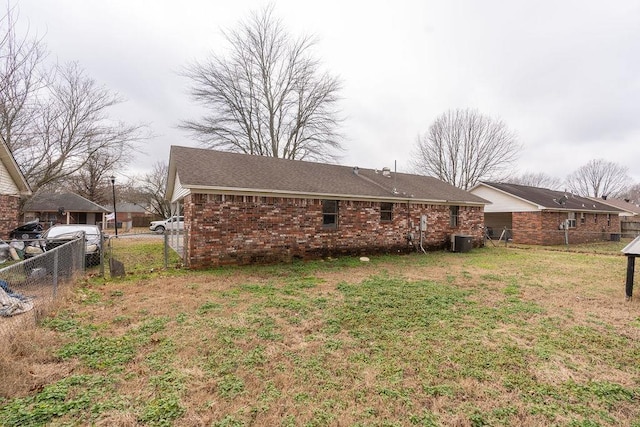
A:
(176, 238)
(495, 222)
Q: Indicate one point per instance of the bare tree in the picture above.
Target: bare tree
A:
(55, 119)
(267, 97)
(539, 179)
(21, 78)
(633, 194)
(92, 180)
(463, 147)
(150, 190)
(599, 178)
(73, 128)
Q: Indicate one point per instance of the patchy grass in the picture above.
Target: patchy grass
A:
(599, 247)
(498, 336)
(143, 256)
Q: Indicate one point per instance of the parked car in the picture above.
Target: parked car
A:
(27, 231)
(63, 233)
(173, 223)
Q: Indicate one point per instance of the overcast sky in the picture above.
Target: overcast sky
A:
(564, 75)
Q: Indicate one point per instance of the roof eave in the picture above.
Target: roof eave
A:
(599, 211)
(536, 205)
(300, 194)
(14, 170)
(171, 175)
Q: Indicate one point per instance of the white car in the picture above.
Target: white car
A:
(173, 223)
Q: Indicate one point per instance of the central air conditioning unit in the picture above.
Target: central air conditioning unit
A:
(461, 243)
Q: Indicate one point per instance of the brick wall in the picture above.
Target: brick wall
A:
(9, 214)
(247, 229)
(541, 228)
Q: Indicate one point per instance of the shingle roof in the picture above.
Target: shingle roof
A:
(198, 168)
(623, 205)
(71, 202)
(552, 199)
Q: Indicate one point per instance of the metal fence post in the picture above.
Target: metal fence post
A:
(185, 244)
(101, 254)
(166, 249)
(55, 273)
(84, 252)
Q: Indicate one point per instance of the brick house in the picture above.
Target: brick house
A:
(242, 209)
(132, 215)
(13, 186)
(629, 211)
(63, 208)
(629, 217)
(539, 216)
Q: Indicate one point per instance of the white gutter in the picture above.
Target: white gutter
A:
(299, 194)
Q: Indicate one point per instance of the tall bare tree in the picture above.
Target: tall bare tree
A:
(92, 180)
(599, 178)
(73, 128)
(149, 190)
(54, 119)
(268, 96)
(537, 179)
(463, 147)
(21, 78)
(633, 194)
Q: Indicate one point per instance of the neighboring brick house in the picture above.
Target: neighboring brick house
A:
(63, 208)
(629, 211)
(131, 215)
(538, 216)
(242, 209)
(13, 186)
(629, 217)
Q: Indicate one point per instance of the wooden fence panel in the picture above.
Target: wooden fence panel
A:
(630, 228)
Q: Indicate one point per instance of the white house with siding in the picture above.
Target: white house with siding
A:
(13, 186)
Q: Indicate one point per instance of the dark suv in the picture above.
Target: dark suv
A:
(30, 230)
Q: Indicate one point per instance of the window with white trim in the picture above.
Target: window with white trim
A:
(386, 212)
(571, 220)
(454, 219)
(330, 213)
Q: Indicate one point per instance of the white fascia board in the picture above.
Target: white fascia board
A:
(179, 192)
(592, 211)
(502, 203)
(205, 189)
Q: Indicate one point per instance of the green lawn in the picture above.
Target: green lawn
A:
(497, 336)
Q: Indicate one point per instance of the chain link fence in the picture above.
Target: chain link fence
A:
(561, 237)
(30, 287)
(138, 251)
